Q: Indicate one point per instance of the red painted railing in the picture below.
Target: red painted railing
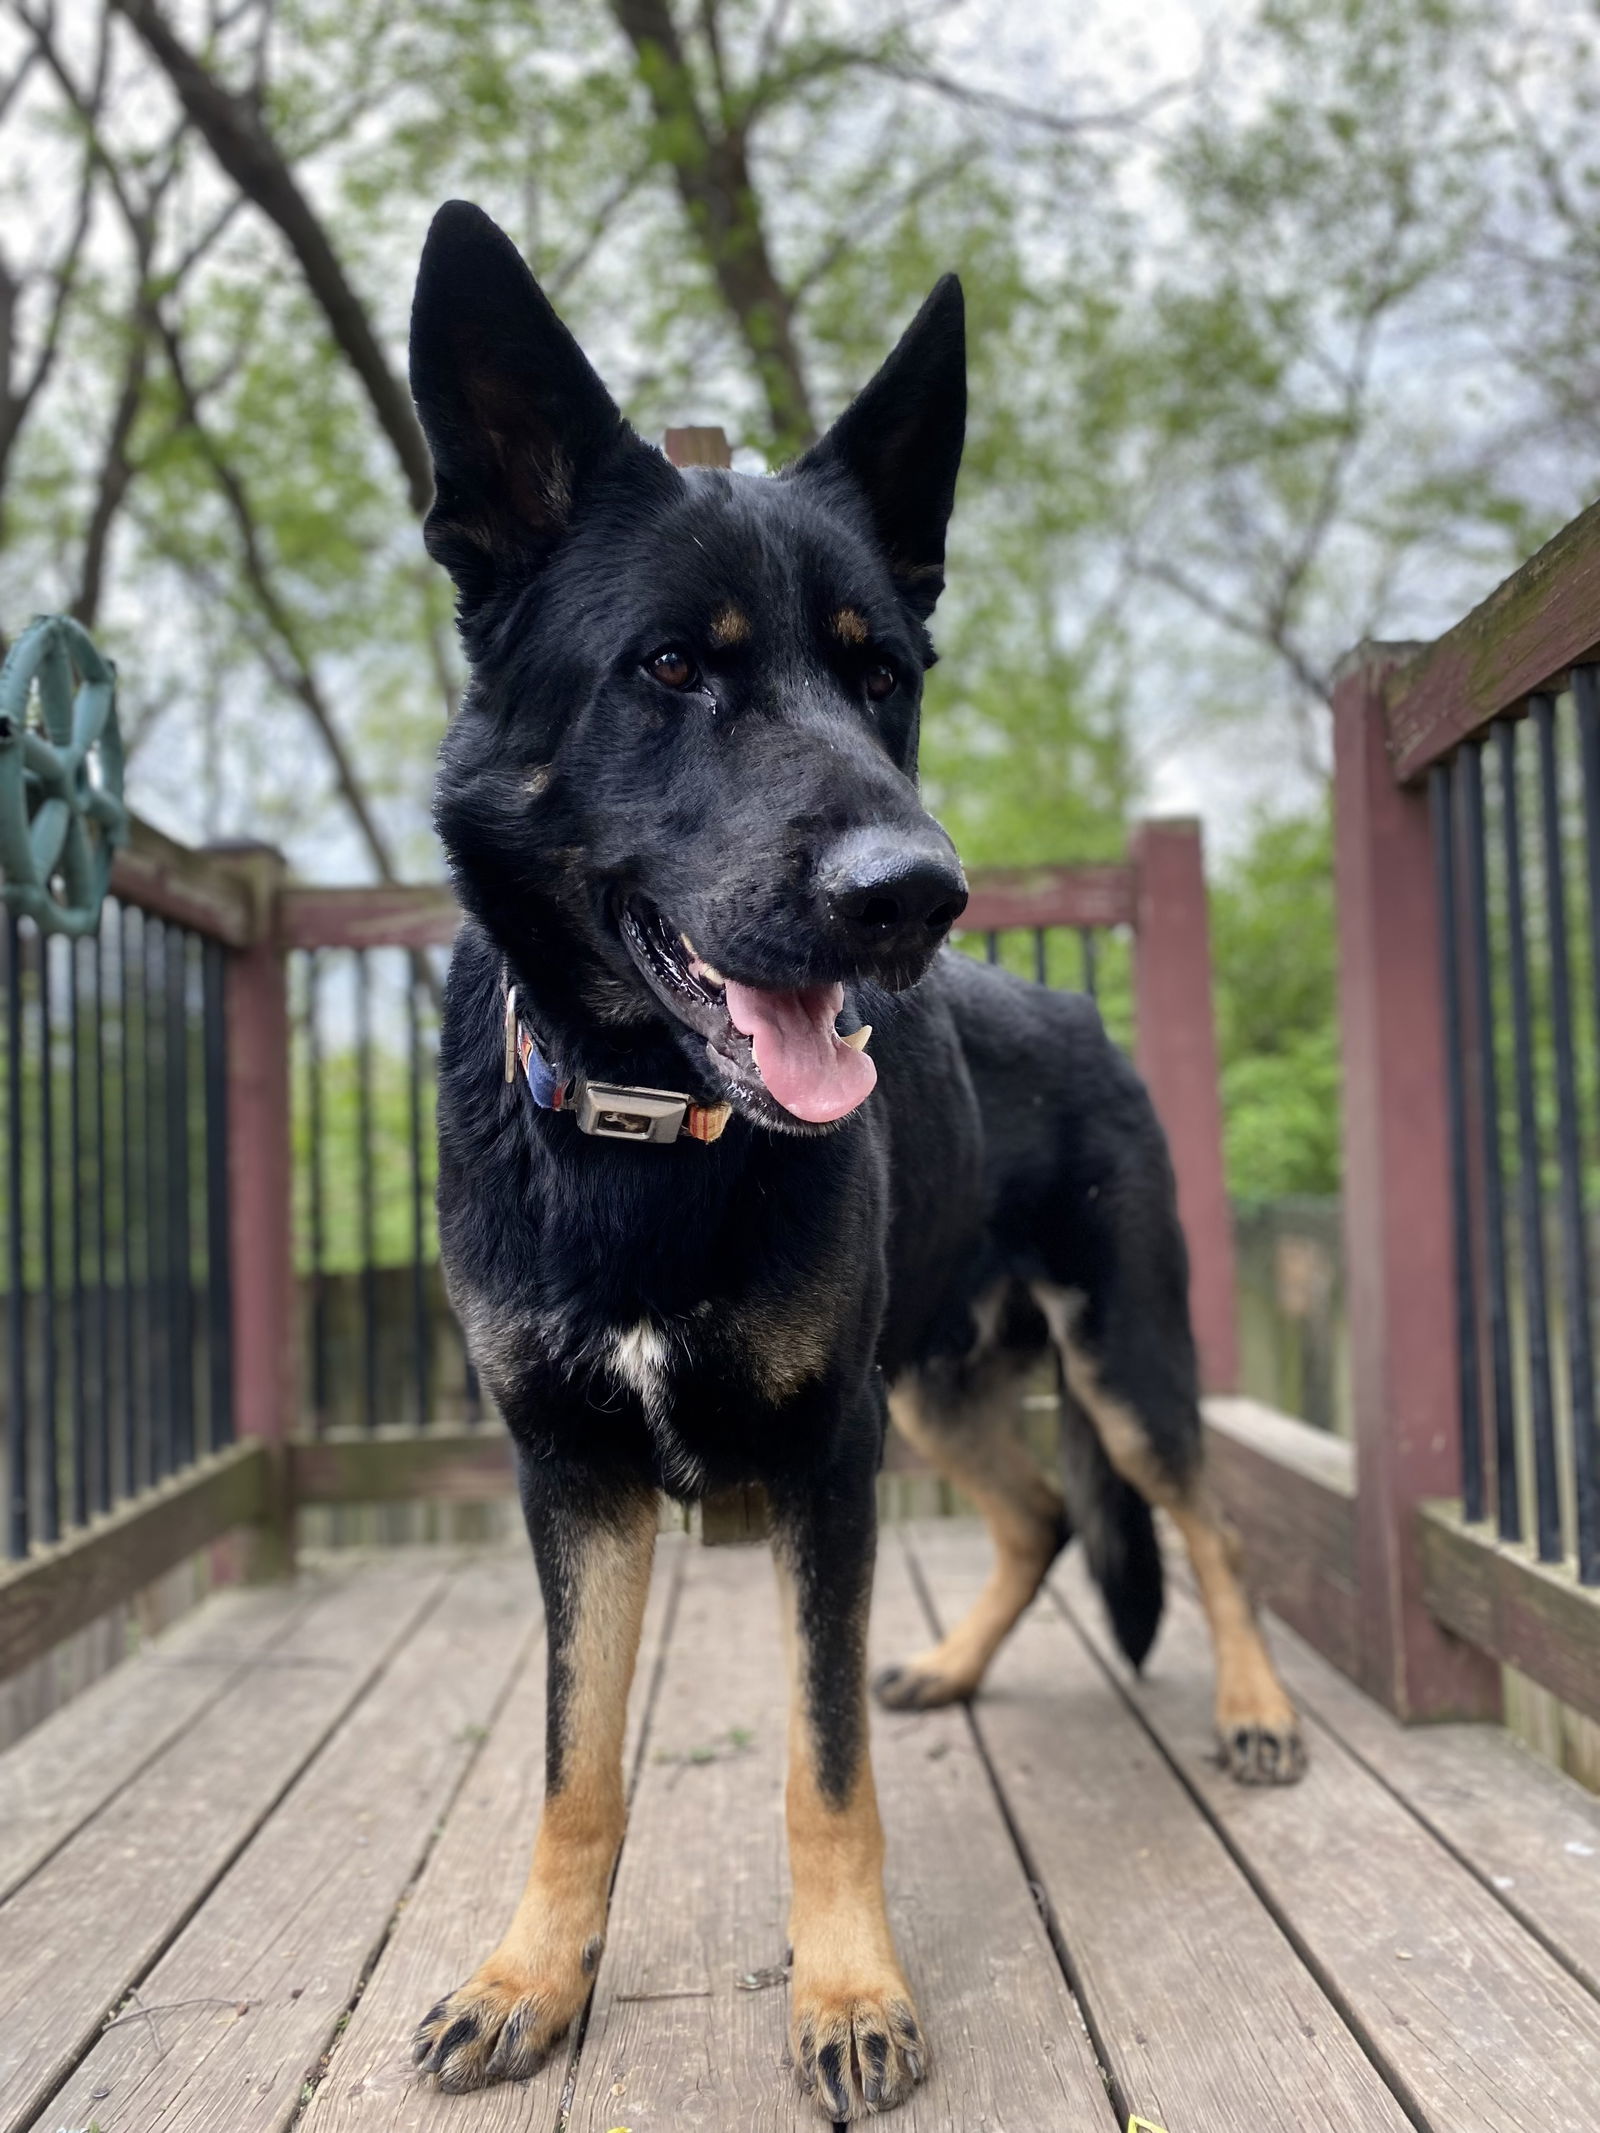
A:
(1469, 1353)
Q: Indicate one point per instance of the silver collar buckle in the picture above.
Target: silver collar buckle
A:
(612, 1113)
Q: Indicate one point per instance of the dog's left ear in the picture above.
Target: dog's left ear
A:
(899, 442)
(515, 417)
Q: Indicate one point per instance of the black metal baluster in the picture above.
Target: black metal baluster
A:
(422, 1355)
(1508, 1494)
(1441, 793)
(1041, 959)
(102, 1341)
(314, 1121)
(369, 1240)
(79, 1374)
(131, 1376)
(157, 1314)
(18, 1522)
(180, 1295)
(1569, 1147)
(49, 1384)
(1091, 961)
(1586, 1444)
(1530, 1190)
(991, 946)
(219, 1282)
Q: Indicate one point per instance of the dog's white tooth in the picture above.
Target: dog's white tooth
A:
(857, 1039)
(689, 944)
(712, 977)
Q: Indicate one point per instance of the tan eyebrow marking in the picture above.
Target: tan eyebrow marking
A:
(850, 626)
(730, 625)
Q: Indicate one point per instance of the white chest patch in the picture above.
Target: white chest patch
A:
(639, 1358)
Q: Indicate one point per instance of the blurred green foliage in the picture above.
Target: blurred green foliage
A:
(1272, 937)
(1252, 379)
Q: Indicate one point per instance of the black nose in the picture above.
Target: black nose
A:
(892, 895)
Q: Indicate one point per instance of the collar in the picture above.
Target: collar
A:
(608, 1110)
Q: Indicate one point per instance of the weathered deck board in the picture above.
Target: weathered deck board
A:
(452, 1918)
(1525, 1829)
(66, 1769)
(674, 2045)
(1208, 2019)
(91, 1922)
(1008, 2051)
(349, 1777)
(260, 1977)
(1475, 2025)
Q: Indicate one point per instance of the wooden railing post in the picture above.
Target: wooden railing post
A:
(1175, 1048)
(260, 1183)
(1398, 1274)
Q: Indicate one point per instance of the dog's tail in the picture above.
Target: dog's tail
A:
(1117, 1530)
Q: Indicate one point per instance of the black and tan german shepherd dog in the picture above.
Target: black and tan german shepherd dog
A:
(734, 1162)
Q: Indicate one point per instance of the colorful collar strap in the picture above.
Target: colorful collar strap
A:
(608, 1110)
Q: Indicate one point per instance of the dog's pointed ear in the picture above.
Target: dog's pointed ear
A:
(899, 441)
(515, 417)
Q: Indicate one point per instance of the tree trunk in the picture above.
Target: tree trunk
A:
(712, 172)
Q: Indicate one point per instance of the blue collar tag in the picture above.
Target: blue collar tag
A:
(547, 1091)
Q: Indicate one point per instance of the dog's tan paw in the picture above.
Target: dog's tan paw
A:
(501, 2025)
(856, 2052)
(1269, 1753)
(919, 1685)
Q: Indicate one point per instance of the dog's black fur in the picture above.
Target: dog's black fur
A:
(595, 806)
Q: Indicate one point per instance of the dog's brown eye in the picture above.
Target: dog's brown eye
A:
(880, 683)
(672, 667)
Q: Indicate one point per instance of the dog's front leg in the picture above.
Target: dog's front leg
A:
(853, 2028)
(593, 1544)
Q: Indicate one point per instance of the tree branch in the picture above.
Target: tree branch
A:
(295, 673)
(18, 396)
(1269, 630)
(1119, 119)
(233, 129)
(561, 278)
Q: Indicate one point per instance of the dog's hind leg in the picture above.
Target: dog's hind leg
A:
(1132, 1374)
(593, 1544)
(853, 2027)
(963, 1415)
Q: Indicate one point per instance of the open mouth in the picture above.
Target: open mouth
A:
(778, 1052)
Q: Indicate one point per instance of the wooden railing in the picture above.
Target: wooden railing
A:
(1463, 1535)
(409, 1435)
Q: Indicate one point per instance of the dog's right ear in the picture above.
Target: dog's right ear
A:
(515, 417)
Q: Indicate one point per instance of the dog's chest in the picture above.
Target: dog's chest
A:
(671, 1367)
(753, 1345)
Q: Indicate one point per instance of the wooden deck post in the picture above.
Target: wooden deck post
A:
(1399, 1283)
(260, 1174)
(698, 448)
(1176, 1052)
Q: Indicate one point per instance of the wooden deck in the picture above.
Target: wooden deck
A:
(237, 1871)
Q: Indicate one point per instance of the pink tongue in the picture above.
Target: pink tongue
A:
(807, 1068)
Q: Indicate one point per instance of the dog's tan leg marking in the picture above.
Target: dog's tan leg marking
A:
(981, 1452)
(501, 2024)
(1258, 1735)
(853, 2027)
(1257, 1732)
